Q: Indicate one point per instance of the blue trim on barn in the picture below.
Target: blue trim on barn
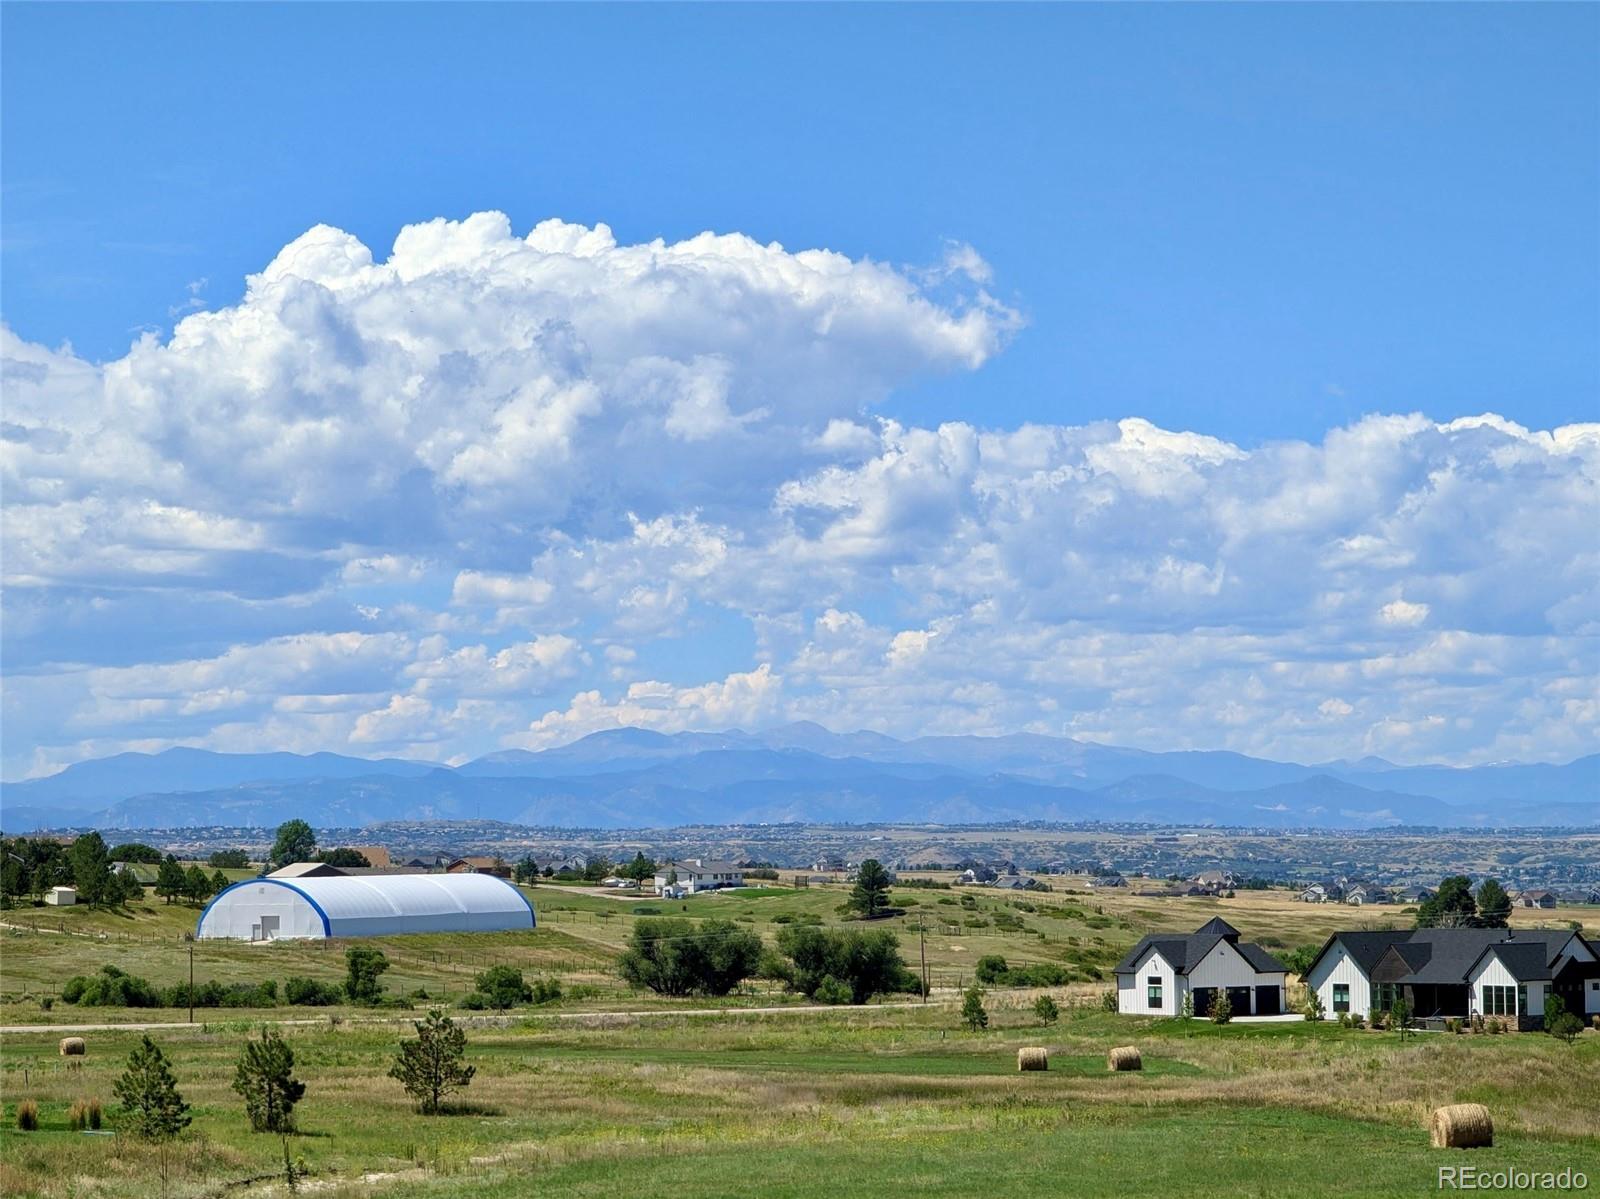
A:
(533, 919)
(327, 927)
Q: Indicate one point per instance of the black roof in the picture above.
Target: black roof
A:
(1447, 955)
(1187, 952)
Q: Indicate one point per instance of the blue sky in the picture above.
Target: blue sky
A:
(1260, 221)
(1263, 234)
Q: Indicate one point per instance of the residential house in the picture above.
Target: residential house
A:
(1322, 893)
(1537, 899)
(1365, 893)
(1015, 882)
(307, 870)
(698, 874)
(1456, 972)
(1216, 879)
(1162, 968)
(376, 855)
(479, 865)
(1107, 880)
(1414, 895)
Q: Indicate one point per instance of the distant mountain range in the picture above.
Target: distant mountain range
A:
(636, 778)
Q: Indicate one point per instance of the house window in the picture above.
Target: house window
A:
(1341, 997)
(1504, 1001)
(1152, 992)
(1388, 996)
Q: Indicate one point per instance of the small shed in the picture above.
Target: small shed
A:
(61, 897)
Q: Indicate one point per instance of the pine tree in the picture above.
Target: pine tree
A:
(170, 880)
(152, 1109)
(91, 870)
(871, 893)
(196, 884)
(265, 1078)
(973, 1013)
(432, 1064)
(1494, 905)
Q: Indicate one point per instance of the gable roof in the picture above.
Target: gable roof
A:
(1526, 961)
(1442, 955)
(1184, 953)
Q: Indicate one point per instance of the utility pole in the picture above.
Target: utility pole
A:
(922, 947)
(191, 982)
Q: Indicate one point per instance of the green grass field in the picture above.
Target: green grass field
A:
(582, 1099)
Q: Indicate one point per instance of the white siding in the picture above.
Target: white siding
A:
(1337, 966)
(1491, 972)
(1226, 967)
(1132, 989)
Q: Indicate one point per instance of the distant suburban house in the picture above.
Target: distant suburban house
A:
(479, 865)
(376, 855)
(307, 870)
(976, 876)
(1216, 878)
(1015, 882)
(1322, 893)
(828, 864)
(1365, 893)
(1456, 972)
(1414, 895)
(1107, 880)
(1537, 899)
(1162, 968)
(698, 874)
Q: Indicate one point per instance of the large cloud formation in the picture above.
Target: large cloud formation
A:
(503, 491)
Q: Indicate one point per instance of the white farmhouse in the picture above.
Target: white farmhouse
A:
(697, 874)
(1457, 972)
(1162, 968)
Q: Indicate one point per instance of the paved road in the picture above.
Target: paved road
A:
(149, 1025)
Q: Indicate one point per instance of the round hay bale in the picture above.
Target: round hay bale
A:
(1461, 1126)
(1124, 1057)
(73, 1047)
(1033, 1058)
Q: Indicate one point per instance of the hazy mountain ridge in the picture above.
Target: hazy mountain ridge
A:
(800, 772)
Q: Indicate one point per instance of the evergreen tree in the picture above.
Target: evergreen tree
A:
(91, 870)
(433, 1064)
(265, 1078)
(870, 896)
(641, 870)
(1494, 905)
(973, 1013)
(219, 882)
(170, 880)
(196, 884)
(152, 1109)
(526, 870)
(128, 887)
(295, 842)
(1452, 907)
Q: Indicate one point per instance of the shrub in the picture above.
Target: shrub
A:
(1312, 1008)
(1108, 1001)
(1452, 1025)
(867, 961)
(363, 965)
(502, 987)
(679, 957)
(95, 1113)
(545, 990)
(990, 969)
(111, 988)
(831, 990)
(27, 1116)
(309, 992)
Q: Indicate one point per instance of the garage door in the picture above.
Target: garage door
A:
(1202, 1000)
(1267, 1001)
(1239, 1000)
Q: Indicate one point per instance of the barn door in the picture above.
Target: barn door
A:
(269, 928)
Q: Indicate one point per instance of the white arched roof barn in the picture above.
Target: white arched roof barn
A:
(269, 909)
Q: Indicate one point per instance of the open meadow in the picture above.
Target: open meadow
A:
(609, 1089)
